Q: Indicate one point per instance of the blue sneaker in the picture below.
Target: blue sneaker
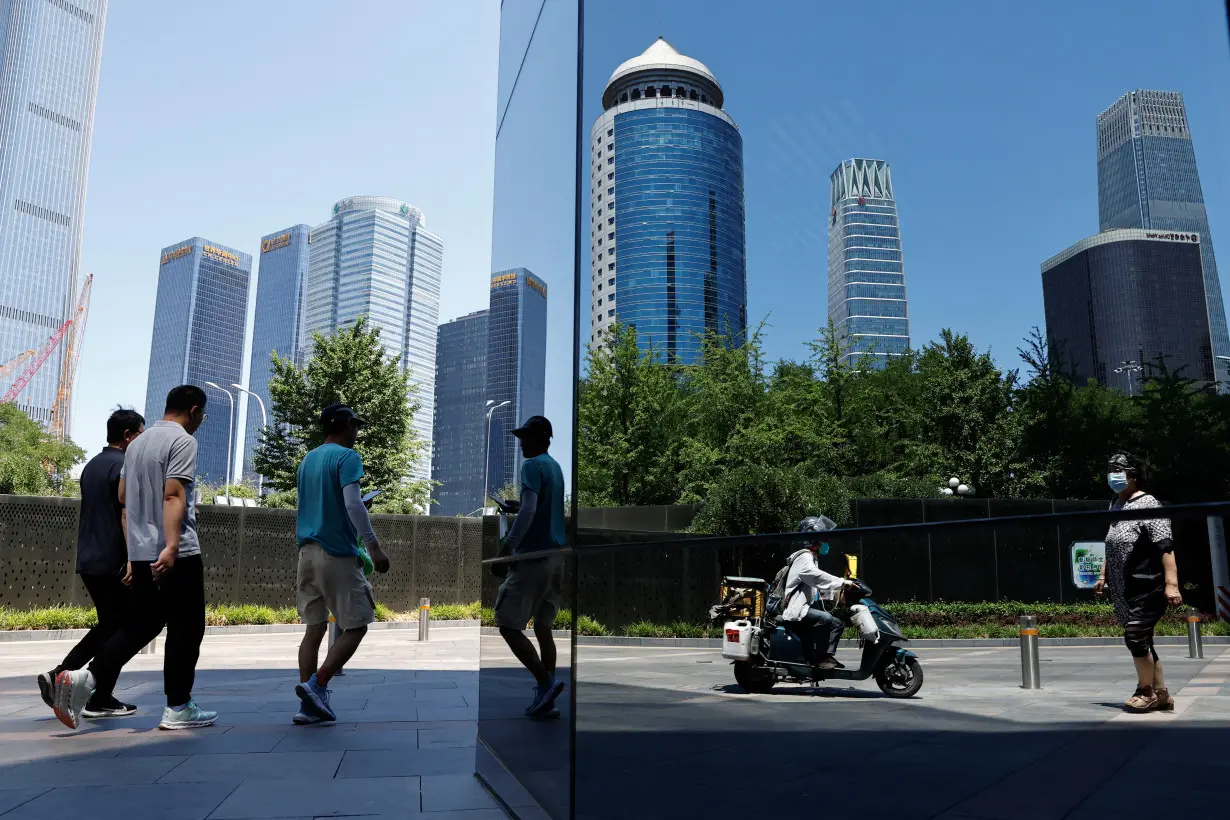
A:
(315, 699)
(544, 698)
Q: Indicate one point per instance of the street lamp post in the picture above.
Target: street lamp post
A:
(1129, 367)
(491, 408)
(230, 435)
(260, 479)
(957, 487)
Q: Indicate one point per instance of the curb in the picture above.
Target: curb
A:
(18, 635)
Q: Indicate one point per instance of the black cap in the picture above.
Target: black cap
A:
(535, 426)
(337, 416)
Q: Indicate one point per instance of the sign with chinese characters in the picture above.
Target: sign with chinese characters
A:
(167, 256)
(221, 255)
(1087, 560)
(536, 285)
(277, 242)
(503, 280)
(1174, 237)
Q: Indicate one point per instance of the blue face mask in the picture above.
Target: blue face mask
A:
(1117, 481)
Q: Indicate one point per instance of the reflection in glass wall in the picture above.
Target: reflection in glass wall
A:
(524, 754)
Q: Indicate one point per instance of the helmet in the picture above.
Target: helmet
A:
(817, 523)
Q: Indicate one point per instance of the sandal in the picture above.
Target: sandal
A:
(1145, 700)
(1165, 703)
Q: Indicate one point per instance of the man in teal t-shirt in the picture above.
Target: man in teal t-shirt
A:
(330, 520)
(530, 590)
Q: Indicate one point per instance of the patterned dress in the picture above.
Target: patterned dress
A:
(1134, 571)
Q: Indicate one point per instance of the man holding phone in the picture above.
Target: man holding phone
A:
(331, 519)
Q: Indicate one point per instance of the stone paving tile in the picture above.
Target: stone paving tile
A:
(178, 801)
(11, 798)
(444, 738)
(110, 771)
(358, 796)
(205, 768)
(325, 740)
(186, 743)
(406, 762)
(468, 713)
(455, 791)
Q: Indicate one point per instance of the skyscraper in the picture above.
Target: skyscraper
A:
(459, 432)
(866, 276)
(49, 57)
(667, 252)
(516, 365)
(278, 326)
(1147, 178)
(376, 258)
(199, 321)
(1102, 297)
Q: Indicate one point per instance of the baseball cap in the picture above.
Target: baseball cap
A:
(534, 426)
(338, 415)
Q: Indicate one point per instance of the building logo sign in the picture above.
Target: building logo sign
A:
(167, 256)
(536, 285)
(503, 280)
(1088, 557)
(1174, 237)
(277, 242)
(221, 255)
(405, 209)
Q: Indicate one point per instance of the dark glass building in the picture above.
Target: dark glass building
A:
(1129, 296)
(459, 433)
(1147, 178)
(667, 251)
(516, 365)
(199, 328)
(866, 274)
(278, 326)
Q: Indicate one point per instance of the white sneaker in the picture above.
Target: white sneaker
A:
(190, 717)
(73, 688)
(304, 719)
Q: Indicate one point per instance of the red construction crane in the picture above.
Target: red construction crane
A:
(68, 368)
(49, 346)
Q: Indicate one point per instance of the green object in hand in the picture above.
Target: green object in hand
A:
(369, 566)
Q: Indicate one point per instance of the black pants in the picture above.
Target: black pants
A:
(113, 602)
(823, 631)
(177, 601)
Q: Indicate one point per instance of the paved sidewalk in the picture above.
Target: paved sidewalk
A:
(403, 745)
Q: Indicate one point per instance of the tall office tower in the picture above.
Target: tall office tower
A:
(49, 56)
(200, 319)
(376, 258)
(459, 433)
(1102, 298)
(667, 252)
(866, 277)
(1147, 178)
(278, 326)
(516, 365)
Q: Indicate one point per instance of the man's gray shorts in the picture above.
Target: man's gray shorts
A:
(530, 590)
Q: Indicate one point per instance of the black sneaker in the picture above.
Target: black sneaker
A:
(46, 688)
(114, 709)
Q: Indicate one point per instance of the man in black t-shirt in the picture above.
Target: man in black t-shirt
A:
(102, 557)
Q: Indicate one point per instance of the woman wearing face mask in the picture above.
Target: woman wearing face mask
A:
(1142, 577)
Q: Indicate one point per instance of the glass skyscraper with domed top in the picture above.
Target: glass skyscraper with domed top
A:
(667, 250)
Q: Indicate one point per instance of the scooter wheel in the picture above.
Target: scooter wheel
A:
(753, 678)
(899, 679)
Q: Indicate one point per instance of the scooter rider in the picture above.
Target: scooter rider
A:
(807, 587)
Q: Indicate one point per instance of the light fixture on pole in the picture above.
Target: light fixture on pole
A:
(1129, 367)
(230, 435)
(260, 479)
(957, 487)
(491, 408)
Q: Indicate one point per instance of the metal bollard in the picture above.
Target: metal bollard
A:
(1195, 645)
(334, 631)
(1031, 673)
(424, 618)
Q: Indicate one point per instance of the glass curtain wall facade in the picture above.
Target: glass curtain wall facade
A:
(376, 258)
(200, 317)
(1102, 298)
(278, 323)
(459, 433)
(867, 302)
(516, 366)
(49, 59)
(667, 249)
(1147, 178)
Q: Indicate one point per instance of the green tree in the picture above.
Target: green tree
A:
(351, 367)
(31, 462)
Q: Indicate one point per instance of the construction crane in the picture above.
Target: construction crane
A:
(68, 367)
(11, 365)
(44, 353)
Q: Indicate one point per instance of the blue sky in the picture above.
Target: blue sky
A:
(985, 112)
(240, 118)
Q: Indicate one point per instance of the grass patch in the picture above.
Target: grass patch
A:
(56, 617)
(456, 612)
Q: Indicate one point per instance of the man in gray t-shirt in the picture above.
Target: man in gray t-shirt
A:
(168, 453)
(164, 563)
